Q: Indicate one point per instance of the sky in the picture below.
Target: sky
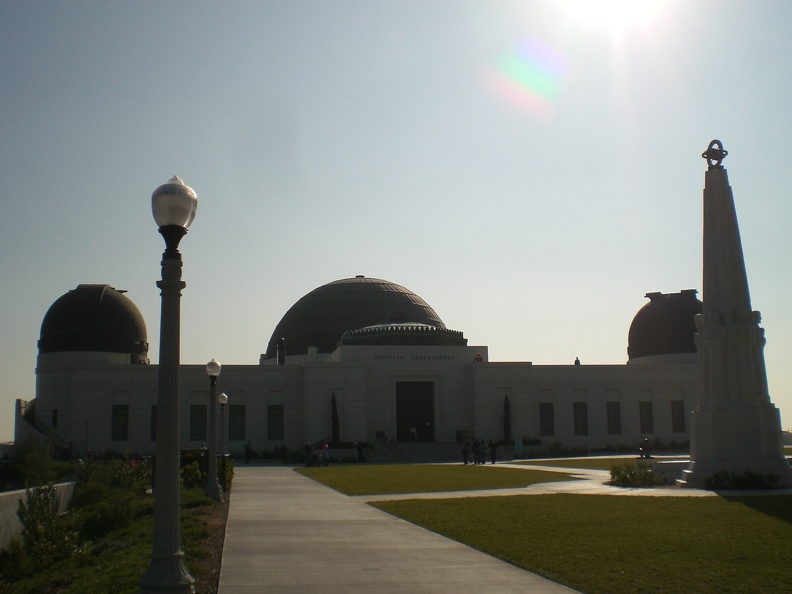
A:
(530, 168)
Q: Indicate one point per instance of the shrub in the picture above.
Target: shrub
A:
(723, 479)
(14, 564)
(88, 493)
(30, 466)
(192, 476)
(229, 474)
(630, 474)
(43, 536)
(129, 473)
(103, 518)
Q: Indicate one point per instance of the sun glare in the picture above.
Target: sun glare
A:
(612, 14)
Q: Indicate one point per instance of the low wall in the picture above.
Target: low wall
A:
(670, 470)
(10, 526)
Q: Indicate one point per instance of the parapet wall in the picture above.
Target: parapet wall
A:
(10, 526)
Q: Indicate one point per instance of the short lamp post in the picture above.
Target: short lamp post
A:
(213, 488)
(222, 399)
(174, 206)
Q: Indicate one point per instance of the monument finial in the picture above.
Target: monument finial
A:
(714, 154)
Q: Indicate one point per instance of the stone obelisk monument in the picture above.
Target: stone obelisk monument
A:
(736, 428)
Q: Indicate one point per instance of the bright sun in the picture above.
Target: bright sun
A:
(612, 14)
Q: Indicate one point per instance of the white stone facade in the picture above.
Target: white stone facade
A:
(101, 402)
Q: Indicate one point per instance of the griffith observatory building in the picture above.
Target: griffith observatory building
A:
(358, 359)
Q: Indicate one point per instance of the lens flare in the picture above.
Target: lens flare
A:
(529, 76)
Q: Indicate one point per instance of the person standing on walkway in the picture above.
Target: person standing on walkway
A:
(493, 451)
(325, 453)
(465, 451)
(482, 451)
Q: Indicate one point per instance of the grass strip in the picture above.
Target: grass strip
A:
(618, 544)
(374, 479)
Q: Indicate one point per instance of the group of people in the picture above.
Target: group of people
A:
(475, 452)
(319, 456)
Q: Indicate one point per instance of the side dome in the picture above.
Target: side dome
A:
(665, 326)
(322, 316)
(94, 318)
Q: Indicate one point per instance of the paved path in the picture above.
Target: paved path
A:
(287, 533)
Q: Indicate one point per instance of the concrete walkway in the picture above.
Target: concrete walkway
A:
(288, 533)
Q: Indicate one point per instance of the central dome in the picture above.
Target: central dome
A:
(322, 316)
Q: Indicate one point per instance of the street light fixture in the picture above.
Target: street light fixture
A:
(222, 399)
(212, 488)
(173, 205)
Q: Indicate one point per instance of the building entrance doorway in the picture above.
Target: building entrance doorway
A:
(415, 412)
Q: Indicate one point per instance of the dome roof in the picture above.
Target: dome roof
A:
(665, 325)
(94, 318)
(322, 316)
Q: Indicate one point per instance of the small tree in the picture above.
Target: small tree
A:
(43, 535)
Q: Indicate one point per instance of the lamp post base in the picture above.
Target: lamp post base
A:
(214, 490)
(166, 574)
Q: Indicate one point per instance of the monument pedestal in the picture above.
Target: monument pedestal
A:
(736, 438)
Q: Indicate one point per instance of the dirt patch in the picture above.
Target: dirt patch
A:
(206, 571)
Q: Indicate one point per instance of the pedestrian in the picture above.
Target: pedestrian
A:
(325, 453)
(493, 451)
(465, 451)
(481, 450)
(248, 451)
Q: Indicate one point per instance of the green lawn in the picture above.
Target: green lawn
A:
(625, 544)
(425, 478)
(614, 544)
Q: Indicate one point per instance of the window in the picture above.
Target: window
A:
(614, 417)
(119, 423)
(54, 418)
(236, 422)
(153, 422)
(546, 419)
(580, 417)
(275, 422)
(678, 416)
(198, 422)
(646, 416)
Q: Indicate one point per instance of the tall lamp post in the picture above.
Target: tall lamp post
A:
(212, 488)
(174, 205)
(222, 399)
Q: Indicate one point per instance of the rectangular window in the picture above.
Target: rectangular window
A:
(236, 422)
(614, 418)
(580, 417)
(678, 416)
(198, 422)
(546, 419)
(119, 423)
(646, 414)
(275, 422)
(54, 418)
(153, 422)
